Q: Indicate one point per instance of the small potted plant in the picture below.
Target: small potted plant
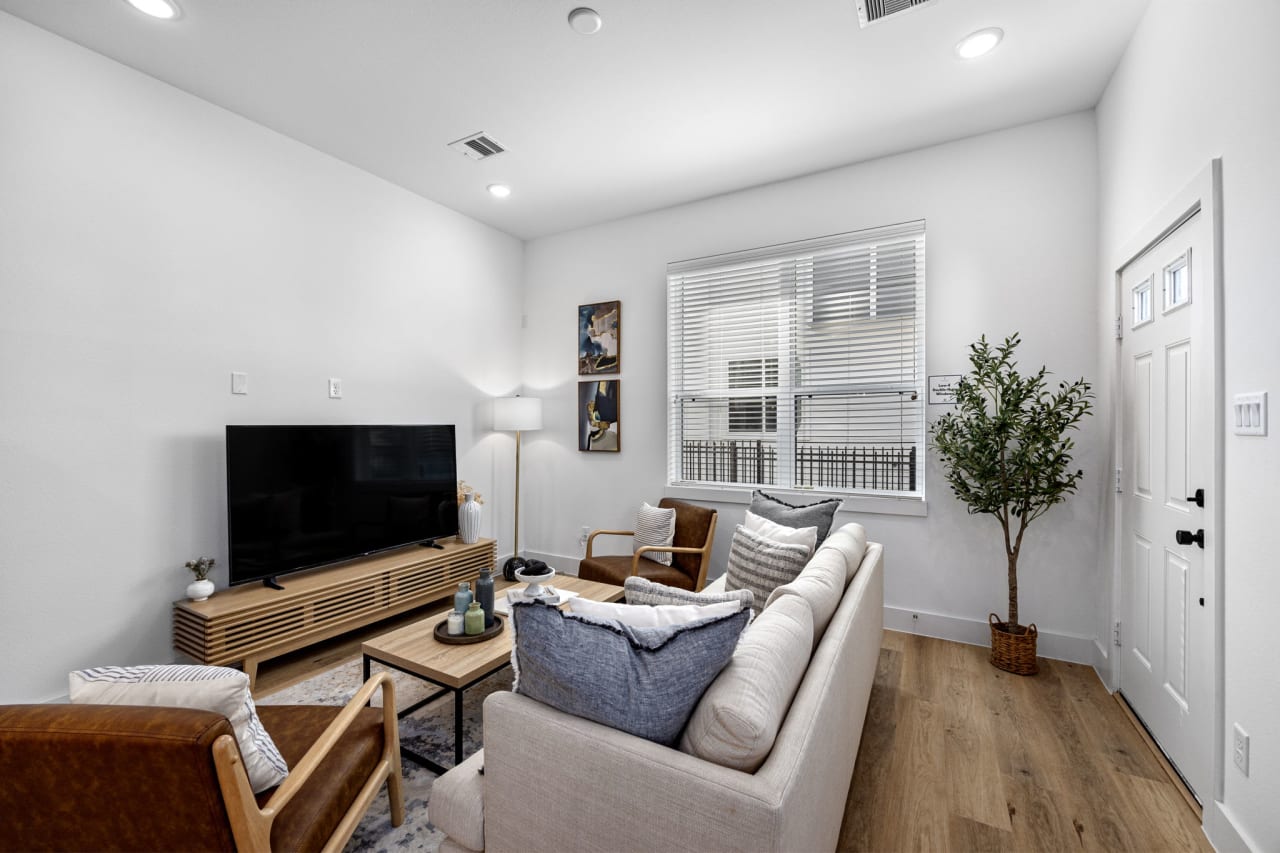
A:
(1006, 452)
(201, 588)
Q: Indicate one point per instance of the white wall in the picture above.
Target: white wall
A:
(1201, 80)
(1011, 246)
(151, 243)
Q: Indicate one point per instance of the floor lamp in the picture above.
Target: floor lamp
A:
(516, 414)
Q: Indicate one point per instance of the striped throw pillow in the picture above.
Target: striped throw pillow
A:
(640, 590)
(209, 688)
(761, 564)
(655, 526)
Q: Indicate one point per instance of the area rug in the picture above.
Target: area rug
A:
(428, 731)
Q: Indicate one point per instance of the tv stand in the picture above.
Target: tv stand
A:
(250, 624)
(272, 583)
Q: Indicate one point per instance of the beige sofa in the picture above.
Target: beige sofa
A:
(552, 781)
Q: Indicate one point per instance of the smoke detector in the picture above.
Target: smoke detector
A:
(477, 146)
(873, 11)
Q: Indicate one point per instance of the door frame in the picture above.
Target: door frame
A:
(1202, 195)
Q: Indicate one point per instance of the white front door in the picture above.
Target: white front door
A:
(1166, 437)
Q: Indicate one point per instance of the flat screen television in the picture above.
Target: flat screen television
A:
(299, 497)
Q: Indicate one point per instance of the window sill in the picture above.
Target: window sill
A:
(877, 505)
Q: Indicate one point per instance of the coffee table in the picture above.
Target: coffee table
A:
(414, 649)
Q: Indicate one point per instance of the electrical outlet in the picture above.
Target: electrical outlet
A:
(585, 535)
(1240, 751)
(335, 389)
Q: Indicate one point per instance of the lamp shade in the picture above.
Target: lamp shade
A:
(517, 413)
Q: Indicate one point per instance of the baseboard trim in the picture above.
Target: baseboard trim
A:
(1224, 833)
(562, 564)
(1058, 646)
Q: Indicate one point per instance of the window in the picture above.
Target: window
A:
(801, 365)
(757, 414)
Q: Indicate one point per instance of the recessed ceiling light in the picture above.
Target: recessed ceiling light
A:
(499, 190)
(166, 10)
(585, 21)
(980, 43)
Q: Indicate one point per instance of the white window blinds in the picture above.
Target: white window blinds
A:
(801, 365)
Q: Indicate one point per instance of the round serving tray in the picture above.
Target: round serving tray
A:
(443, 635)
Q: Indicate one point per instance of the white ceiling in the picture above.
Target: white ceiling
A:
(672, 101)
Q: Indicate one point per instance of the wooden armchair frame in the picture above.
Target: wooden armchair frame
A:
(251, 825)
(705, 550)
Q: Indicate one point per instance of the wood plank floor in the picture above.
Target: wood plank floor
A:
(959, 756)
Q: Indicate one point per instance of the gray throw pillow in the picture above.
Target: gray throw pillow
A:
(819, 515)
(645, 681)
(640, 590)
(762, 565)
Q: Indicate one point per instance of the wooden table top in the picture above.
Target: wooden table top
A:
(415, 649)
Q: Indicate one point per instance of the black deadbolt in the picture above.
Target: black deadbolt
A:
(1186, 537)
(1197, 498)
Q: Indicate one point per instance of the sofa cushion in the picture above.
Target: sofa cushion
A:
(213, 688)
(644, 681)
(851, 541)
(819, 514)
(655, 526)
(640, 590)
(740, 714)
(457, 803)
(650, 616)
(762, 565)
(820, 584)
(807, 536)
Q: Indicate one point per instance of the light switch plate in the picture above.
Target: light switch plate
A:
(1249, 413)
(239, 383)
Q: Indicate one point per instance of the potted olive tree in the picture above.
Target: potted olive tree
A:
(1006, 452)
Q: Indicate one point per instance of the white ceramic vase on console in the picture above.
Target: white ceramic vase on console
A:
(200, 590)
(469, 520)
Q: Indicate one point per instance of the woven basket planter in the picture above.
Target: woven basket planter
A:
(1013, 652)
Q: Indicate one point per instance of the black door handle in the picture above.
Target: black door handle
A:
(1197, 498)
(1186, 537)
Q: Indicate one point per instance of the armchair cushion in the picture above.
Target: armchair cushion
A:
(312, 816)
(644, 681)
(655, 526)
(213, 688)
(616, 570)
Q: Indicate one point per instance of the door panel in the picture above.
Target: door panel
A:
(1166, 454)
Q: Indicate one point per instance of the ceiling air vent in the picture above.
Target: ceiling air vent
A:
(477, 146)
(874, 11)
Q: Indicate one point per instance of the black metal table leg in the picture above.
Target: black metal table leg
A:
(457, 728)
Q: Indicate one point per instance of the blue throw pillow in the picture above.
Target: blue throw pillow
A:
(645, 681)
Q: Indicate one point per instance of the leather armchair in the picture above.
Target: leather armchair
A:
(125, 777)
(690, 550)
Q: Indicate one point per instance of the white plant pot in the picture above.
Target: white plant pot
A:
(200, 590)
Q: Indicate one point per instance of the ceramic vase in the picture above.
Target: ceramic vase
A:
(200, 590)
(469, 520)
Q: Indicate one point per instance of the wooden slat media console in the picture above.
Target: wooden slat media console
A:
(250, 624)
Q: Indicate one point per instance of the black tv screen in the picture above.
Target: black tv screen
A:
(304, 496)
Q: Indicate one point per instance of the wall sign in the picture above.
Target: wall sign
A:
(942, 389)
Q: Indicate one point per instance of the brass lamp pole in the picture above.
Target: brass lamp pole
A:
(516, 414)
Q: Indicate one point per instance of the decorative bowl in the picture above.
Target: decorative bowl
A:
(535, 582)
